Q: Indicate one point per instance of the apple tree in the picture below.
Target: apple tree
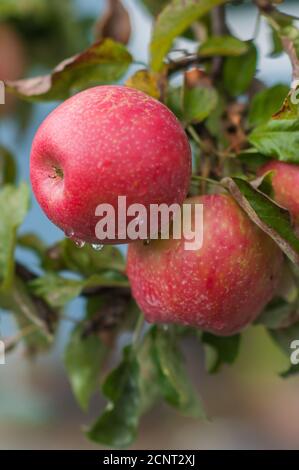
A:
(244, 139)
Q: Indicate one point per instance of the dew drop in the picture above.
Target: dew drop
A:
(69, 233)
(79, 243)
(97, 247)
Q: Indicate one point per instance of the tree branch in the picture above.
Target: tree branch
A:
(274, 18)
(219, 28)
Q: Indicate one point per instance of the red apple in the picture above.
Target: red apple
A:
(102, 143)
(221, 287)
(285, 184)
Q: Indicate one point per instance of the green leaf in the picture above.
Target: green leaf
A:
(278, 139)
(264, 184)
(279, 314)
(58, 291)
(14, 204)
(8, 170)
(289, 108)
(117, 427)
(271, 218)
(137, 378)
(87, 261)
(55, 290)
(281, 20)
(277, 47)
(224, 350)
(83, 360)
(238, 72)
(104, 62)
(290, 33)
(176, 17)
(149, 372)
(15, 9)
(214, 122)
(293, 370)
(222, 46)
(284, 337)
(154, 6)
(252, 159)
(175, 385)
(198, 103)
(174, 101)
(266, 103)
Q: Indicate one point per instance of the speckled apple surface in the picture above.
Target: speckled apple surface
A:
(221, 287)
(285, 182)
(102, 143)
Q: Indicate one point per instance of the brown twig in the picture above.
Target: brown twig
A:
(12, 342)
(183, 63)
(270, 12)
(264, 6)
(48, 316)
(109, 315)
(290, 49)
(219, 28)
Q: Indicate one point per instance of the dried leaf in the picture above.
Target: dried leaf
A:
(103, 62)
(114, 23)
(145, 81)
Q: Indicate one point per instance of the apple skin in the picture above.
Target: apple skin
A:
(220, 288)
(285, 184)
(108, 141)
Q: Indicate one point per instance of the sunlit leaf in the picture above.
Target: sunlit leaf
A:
(175, 385)
(277, 139)
(223, 46)
(58, 290)
(14, 204)
(266, 103)
(176, 17)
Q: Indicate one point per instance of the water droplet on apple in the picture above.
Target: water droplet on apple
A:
(79, 243)
(69, 233)
(97, 247)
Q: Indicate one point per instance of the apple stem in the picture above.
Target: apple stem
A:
(58, 173)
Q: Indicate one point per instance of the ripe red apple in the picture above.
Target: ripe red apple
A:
(221, 287)
(102, 143)
(285, 184)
